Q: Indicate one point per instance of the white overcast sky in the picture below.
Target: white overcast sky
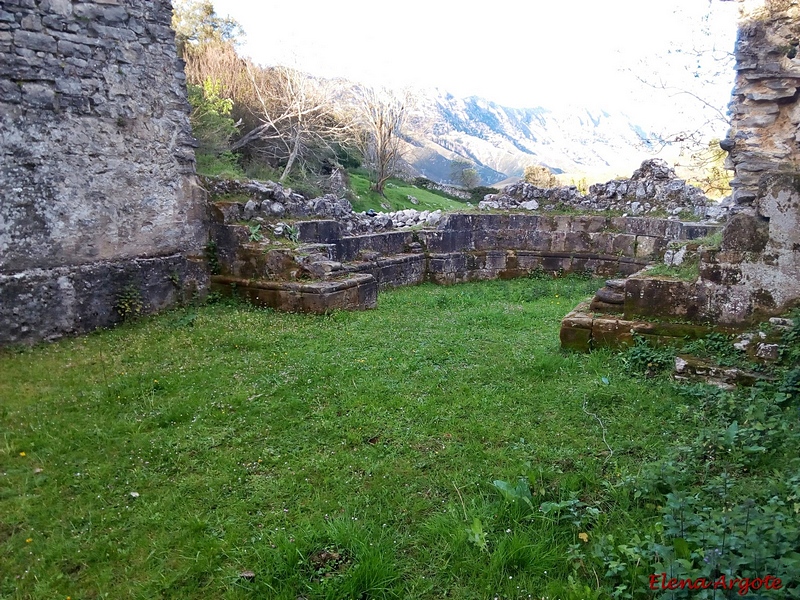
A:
(517, 53)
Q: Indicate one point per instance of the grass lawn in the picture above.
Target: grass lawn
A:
(397, 193)
(230, 452)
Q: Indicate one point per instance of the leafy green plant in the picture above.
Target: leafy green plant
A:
(212, 124)
(129, 303)
(476, 535)
(292, 232)
(516, 494)
(255, 234)
(644, 358)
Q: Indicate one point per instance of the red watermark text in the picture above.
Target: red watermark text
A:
(742, 585)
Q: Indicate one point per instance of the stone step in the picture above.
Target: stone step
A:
(697, 369)
(616, 284)
(610, 296)
(606, 307)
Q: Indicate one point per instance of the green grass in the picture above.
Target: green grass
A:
(688, 270)
(397, 193)
(224, 165)
(341, 456)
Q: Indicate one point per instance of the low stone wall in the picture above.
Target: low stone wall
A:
(464, 247)
(44, 304)
(358, 292)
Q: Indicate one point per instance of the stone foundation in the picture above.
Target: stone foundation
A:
(464, 247)
(358, 292)
(44, 304)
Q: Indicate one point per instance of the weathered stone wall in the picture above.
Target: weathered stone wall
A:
(756, 273)
(96, 164)
(765, 111)
(464, 247)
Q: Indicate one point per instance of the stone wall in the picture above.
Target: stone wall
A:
(756, 274)
(97, 185)
(276, 272)
(765, 112)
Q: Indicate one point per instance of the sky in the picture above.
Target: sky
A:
(522, 54)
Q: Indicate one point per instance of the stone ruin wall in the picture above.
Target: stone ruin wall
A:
(97, 187)
(99, 194)
(765, 113)
(757, 271)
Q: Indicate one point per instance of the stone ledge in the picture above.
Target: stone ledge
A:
(45, 304)
(584, 330)
(357, 292)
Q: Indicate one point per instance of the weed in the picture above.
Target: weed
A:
(688, 270)
(476, 535)
(646, 359)
(129, 303)
(255, 234)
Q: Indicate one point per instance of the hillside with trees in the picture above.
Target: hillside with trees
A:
(280, 123)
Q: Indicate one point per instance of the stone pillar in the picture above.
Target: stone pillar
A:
(765, 111)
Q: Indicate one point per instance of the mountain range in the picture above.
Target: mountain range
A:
(500, 141)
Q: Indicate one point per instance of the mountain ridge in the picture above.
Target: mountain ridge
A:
(501, 141)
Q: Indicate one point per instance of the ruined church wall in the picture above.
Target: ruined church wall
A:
(765, 102)
(97, 187)
(757, 272)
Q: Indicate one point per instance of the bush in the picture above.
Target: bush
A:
(212, 124)
(540, 176)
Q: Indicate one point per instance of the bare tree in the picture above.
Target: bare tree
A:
(380, 118)
(297, 114)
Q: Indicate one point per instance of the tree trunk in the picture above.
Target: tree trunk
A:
(292, 157)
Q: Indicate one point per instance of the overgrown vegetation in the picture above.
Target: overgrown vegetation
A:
(293, 124)
(439, 446)
(688, 270)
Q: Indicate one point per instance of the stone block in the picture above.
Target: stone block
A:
(575, 338)
(663, 298)
(538, 240)
(322, 231)
(577, 242)
(745, 233)
(623, 245)
(611, 333)
(598, 306)
(529, 261)
(33, 40)
(649, 247)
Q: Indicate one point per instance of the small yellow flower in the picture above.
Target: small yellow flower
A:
(29, 540)
(22, 454)
(583, 537)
